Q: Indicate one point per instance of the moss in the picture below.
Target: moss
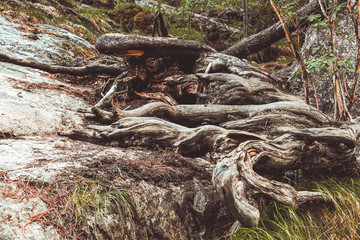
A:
(77, 51)
(186, 33)
(144, 21)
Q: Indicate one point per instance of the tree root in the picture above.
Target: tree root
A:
(228, 115)
(239, 185)
(150, 131)
(77, 71)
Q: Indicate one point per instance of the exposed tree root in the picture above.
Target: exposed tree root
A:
(239, 152)
(193, 114)
(78, 71)
(236, 115)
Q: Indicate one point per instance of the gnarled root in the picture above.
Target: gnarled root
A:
(239, 185)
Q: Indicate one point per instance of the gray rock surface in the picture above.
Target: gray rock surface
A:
(320, 38)
(42, 44)
(15, 213)
(35, 111)
(28, 111)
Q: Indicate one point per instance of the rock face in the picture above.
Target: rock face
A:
(30, 106)
(15, 212)
(25, 109)
(174, 198)
(316, 38)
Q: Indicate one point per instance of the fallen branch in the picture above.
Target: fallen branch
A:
(271, 34)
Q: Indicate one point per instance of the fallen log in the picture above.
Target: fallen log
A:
(116, 44)
(272, 34)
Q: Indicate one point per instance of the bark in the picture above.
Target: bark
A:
(271, 34)
(153, 47)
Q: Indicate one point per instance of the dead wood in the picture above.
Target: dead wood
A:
(190, 115)
(180, 49)
(222, 88)
(77, 71)
(119, 86)
(271, 34)
(238, 185)
(219, 62)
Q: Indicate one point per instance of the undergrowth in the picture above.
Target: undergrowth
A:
(338, 219)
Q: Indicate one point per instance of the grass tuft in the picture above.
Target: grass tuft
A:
(94, 201)
(338, 219)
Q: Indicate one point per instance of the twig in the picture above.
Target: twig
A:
(295, 52)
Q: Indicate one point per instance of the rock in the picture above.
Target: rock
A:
(319, 38)
(29, 106)
(53, 46)
(15, 213)
(181, 203)
(230, 15)
(28, 109)
(25, 107)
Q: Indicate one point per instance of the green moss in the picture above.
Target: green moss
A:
(38, 14)
(186, 33)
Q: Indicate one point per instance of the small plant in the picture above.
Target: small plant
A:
(92, 199)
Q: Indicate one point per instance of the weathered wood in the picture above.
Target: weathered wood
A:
(236, 182)
(150, 131)
(244, 122)
(152, 46)
(120, 81)
(221, 88)
(193, 114)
